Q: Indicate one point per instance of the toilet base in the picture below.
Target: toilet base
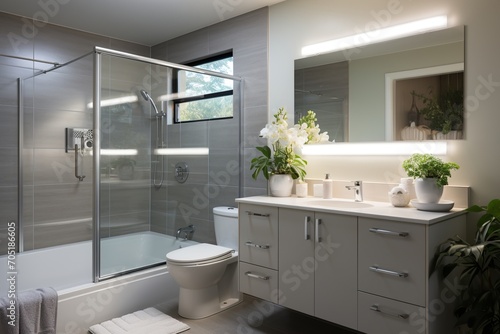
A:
(202, 303)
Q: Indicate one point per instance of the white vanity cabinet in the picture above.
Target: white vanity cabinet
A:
(317, 263)
(368, 269)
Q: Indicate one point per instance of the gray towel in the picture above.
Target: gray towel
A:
(29, 304)
(48, 311)
(36, 312)
(6, 325)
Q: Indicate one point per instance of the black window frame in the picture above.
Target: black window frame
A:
(175, 89)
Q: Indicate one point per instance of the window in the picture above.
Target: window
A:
(204, 97)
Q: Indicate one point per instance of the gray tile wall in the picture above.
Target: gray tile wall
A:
(324, 89)
(215, 180)
(57, 208)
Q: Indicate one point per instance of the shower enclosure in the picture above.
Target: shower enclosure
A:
(104, 163)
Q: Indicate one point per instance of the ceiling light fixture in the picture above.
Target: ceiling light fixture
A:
(115, 101)
(119, 152)
(374, 36)
(182, 151)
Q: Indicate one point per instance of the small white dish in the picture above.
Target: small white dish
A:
(442, 206)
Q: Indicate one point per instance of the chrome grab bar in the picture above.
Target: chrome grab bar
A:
(388, 232)
(376, 308)
(306, 220)
(250, 274)
(251, 244)
(250, 213)
(388, 272)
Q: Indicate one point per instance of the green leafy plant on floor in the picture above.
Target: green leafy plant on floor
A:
(477, 265)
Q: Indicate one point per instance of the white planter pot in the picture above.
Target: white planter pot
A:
(428, 191)
(450, 135)
(281, 185)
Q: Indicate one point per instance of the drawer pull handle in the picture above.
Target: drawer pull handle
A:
(250, 274)
(316, 232)
(388, 232)
(397, 315)
(251, 244)
(388, 272)
(250, 213)
(306, 220)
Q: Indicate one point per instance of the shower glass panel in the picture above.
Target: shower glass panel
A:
(56, 206)
(126, 122)
(142, 201)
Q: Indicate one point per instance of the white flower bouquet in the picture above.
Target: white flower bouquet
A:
(286, 143)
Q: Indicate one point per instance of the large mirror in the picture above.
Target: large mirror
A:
(387, 91)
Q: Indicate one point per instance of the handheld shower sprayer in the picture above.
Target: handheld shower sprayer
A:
(147, 97)
(159, 160)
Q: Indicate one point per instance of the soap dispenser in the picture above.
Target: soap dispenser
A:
(327, 187)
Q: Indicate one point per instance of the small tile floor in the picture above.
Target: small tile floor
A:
(255, 316)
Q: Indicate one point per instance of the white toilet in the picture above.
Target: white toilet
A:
(208, 274)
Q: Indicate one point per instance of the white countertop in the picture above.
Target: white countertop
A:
(380, 210)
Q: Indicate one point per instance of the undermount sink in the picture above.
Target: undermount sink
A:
(332, 203)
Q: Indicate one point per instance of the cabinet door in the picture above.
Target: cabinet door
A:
(296, 260)
(336, 273)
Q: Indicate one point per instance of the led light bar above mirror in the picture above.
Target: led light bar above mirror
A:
(380, 148)
(375, 36)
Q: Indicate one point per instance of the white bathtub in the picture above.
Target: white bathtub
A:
(82, 303)
(137, 250)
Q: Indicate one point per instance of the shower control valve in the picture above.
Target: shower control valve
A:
(181, 172)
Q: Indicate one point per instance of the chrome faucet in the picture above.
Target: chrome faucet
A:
(358, 190)
(186, 231)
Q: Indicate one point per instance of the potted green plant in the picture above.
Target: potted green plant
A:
(282, 164)
(430, 174)
(477, 265)
(445, 113)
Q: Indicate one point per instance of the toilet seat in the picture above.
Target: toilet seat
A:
(199, 254)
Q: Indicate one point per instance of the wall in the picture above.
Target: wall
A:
(295, 23)
(213, 181)
(52, 197)
(53, 193)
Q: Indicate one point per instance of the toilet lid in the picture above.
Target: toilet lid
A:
(199, 253)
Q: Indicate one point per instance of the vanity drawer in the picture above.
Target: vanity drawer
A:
(258, 226)
(378, 315)
(259, 282)
(391, 260)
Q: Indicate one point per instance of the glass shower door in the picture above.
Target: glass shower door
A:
(125, 164)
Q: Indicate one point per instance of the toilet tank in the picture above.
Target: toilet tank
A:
(226, 226)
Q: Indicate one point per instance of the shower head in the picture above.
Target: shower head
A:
(147, 97)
